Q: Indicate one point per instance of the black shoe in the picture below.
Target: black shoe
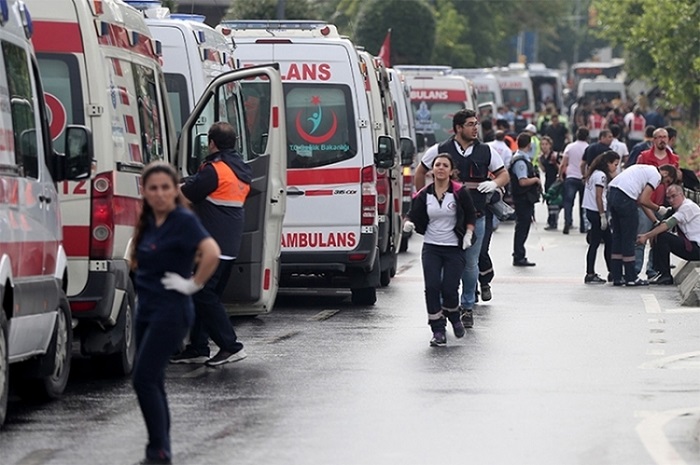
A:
(523, 262)
(566, 229)
(662, 279)
(636, 283)
(618, 283)
(148, 461)
(439, 339)
(189, 356)
(550, 227)
(467, 317)
(486, 292)
(224, 356)
(593, 279)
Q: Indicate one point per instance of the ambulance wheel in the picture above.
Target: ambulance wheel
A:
(122, 362)
(364, 296)
(385, 278)
(58, 358)
(4, 367)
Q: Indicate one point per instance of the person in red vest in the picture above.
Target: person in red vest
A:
(596, 123)
(635, 124)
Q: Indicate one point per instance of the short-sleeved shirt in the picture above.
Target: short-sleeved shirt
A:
(443, 219)
(168, 247)
(574, 153)
(596, 179)
(634, 179)
(429, 156)
(520, 169)
(688, 217)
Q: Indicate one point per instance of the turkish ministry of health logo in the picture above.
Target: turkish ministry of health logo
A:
(313, 122)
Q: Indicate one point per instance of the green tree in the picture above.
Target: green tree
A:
(267, 9)
(412, 29)
(661, 39)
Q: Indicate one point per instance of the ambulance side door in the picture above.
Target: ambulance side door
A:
(252, 101)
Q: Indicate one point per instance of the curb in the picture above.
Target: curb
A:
(687, 277)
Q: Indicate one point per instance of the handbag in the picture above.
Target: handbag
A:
(500, 209)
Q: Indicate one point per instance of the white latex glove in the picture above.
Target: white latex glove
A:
(603, 222)
(487, 186)
(175, 282)
(662, 211)
(408, 226)
(467, 240)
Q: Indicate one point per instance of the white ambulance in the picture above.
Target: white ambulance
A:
(101, 69)
(194, 53)
(516, 91)
(331, 225)
(389, 180)
(35, 319)
(436, 97)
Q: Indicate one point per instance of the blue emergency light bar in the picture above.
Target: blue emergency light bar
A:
(273, 25)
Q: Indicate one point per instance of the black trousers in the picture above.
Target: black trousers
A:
(524, 211)
(486, 273)
(668, 243)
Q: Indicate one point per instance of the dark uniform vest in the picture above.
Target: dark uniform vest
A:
(531, 192)
(472, 169)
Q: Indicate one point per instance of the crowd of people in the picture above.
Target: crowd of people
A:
(623, 170)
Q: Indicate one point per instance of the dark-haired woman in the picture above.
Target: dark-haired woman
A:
(602, 170)
(167, 239)
(443, 212)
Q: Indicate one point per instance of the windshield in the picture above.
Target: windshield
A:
(434, 119)
(177, 96)
(485, 96)
(515, 99)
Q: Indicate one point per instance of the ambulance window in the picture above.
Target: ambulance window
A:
(320, 125)
(178, 97)
(22, 108)
(60, 77)
(485, 96)
(434, 119)
(148, 113)
(515, 99)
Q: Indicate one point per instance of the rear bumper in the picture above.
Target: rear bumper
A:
(96, 300)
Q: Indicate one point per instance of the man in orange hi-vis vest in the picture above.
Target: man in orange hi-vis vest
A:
(217, 192)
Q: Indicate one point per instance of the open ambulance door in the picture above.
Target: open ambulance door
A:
(251, 100)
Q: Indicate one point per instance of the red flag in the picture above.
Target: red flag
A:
(385, 51)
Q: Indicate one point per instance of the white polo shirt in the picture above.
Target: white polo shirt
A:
(688, 217)
(442, 220)
(597, 178)
(634, 179)
(574, 153)
(430, 154)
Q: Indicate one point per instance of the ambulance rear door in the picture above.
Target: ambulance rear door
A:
(257, 113)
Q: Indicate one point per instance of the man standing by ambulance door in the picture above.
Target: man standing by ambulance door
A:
(217, 192)
(474, 161)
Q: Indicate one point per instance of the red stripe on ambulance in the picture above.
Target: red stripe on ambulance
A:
(50, 36)
(305, 177)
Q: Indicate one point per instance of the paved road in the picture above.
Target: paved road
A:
(554, 372)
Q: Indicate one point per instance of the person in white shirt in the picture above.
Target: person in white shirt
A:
(617, 146)
(632, 187)
(500, 146)
(601, 171)
(570, 172)
(685, 244)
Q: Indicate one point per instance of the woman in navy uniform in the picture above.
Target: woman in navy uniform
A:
(167, 241)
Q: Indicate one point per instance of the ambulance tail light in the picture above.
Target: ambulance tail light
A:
(102, 217)
(407, 182)
(83, 306)
(369, 196)
(382, 191)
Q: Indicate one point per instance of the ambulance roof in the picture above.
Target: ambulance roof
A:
(272, 29)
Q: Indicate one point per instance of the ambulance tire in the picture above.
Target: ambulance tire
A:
(4, 367)
(121, 362)
(385, 278)
(58, 359)
(364, 296)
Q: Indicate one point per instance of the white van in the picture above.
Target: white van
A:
(436, 97)
(331, 225)
(516, 91)
(194, 53)
(601, 89)
(35, 319)
(485, 82)
(105, 73)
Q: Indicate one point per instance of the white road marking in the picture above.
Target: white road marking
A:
(651, 433)
(324, 315)
(651, 305)
(665, 361)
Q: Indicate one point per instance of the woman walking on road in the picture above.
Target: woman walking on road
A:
(167, 240)
(602, 170)
(443, 212)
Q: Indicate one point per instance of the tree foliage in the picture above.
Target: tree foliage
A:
(661, 39)
(412, 29)
(267, 9)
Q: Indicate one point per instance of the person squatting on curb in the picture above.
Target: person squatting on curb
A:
(685, 244)
(476, 163)
(217, 191)
(166, 241)
(444, 214)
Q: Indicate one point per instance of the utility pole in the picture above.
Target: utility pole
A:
(280, 8)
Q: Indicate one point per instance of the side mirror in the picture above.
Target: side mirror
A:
(199, 152)
(408, 150)
(78, 153)
(384, 158)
